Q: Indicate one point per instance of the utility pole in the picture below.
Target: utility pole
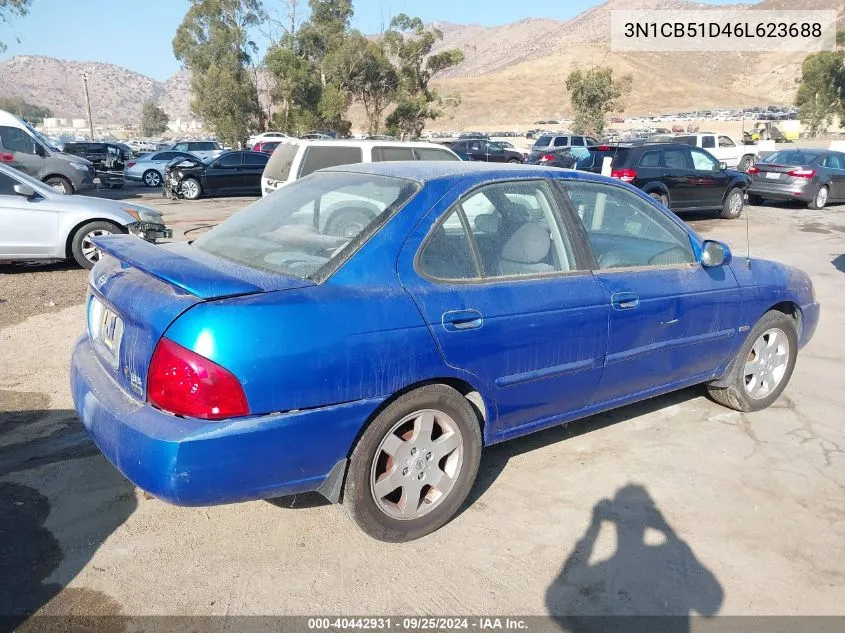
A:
(88, 104)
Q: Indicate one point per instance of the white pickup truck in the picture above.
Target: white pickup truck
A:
(722, 147)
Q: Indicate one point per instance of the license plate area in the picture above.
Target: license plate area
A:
(105, 328)
(773, 175)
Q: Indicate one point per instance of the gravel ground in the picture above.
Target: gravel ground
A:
(28, 289)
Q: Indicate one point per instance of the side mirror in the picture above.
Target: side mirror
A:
(723, 166)
(24, 190)
(714, 254)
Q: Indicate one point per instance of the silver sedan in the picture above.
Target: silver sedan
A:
(149, 168)
(40, 223)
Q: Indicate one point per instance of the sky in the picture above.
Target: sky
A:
(137, 34)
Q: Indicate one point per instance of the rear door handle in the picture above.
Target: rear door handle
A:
(459, 320)
(624, 300)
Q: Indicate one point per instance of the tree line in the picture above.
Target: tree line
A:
(316, 69)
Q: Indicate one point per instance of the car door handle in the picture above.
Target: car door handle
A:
(458, 320)
(624, 300)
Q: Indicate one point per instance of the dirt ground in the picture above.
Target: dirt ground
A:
(675, 505)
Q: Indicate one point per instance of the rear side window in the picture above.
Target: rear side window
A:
(561, 141)
(650, 158)
(447, 254)
(425, 153)
(677, 158)
(255, 159)
(577, 141)
(16, 140)
(386, 154)
(328, 156)
(708, 141)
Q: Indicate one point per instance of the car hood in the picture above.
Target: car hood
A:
(70, 158)
(112, 209)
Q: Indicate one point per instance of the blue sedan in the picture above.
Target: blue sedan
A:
(481, 303)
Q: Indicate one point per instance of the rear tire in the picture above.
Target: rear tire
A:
(400, 449)
(734, 202)
(515, 161)
(767, 356)
(820, 199)
(59, 183)
(152, 178)
(660, 198)
(81, 247)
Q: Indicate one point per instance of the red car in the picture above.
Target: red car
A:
(266, 147)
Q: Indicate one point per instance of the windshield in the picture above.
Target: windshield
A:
(41, 138)
(791, 157)
(310, 227)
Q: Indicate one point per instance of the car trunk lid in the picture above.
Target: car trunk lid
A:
(138, 289)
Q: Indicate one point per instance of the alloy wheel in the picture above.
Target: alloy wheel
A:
(416, 464)
(766, 363)
(89, 250)
(821, 197)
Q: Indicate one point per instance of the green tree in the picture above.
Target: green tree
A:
(33, 113)
(153, 119)
(410, 43)
(296, 90)
(821, 89)
(10, 9)
(595, 93)
(213, 43)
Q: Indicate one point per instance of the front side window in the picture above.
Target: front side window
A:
(325, 156)
(724, 141)
(426, 153)
(834, 161)
(509, 228)
(704, 161)
(311, 226)
(626, 231)
(228, 160)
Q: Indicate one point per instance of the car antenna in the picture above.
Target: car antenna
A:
(747, 240)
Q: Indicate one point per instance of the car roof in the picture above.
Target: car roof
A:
(356, 143)
(424, 171)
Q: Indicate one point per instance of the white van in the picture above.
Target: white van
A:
(296, 158)
(24, 149)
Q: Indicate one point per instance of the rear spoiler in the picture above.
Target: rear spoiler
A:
(179, 265)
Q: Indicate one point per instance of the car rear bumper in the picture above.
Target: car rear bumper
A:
(192, 462)
(804, 191)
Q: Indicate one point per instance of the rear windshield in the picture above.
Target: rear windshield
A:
(322, 156)
(278, 167)
(595, 158)
(791, 157)
(308, 228)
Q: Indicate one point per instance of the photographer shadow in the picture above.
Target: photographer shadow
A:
(653, 582)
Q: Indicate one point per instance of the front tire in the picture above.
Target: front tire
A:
(762, 366)
(820, 199)
(414, 465)
(82, 248)
(734, 201)
(191, 189)
(59, 183)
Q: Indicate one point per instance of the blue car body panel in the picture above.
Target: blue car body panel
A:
(318, 360)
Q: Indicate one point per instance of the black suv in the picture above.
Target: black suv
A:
(681, 177)
(109, 159)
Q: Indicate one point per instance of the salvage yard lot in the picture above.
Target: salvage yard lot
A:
(715, 511)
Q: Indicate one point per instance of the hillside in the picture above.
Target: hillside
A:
(512, 74)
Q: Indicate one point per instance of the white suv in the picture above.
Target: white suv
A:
(296, 158)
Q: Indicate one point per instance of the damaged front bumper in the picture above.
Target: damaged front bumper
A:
(150, 231)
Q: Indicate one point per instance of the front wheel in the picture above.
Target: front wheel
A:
(820, 199)
(734, 201)
(82, 245)
(763, 365)
(191, 189)
(60, 184)
(152, 178)
(414, 465)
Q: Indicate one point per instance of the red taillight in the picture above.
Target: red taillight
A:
(802, 173)
(625, 175)
(6, 157)
(603, 148)
(131, 163)
(256, 147)
(752, 170)
(185, 383)
(547, 157)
